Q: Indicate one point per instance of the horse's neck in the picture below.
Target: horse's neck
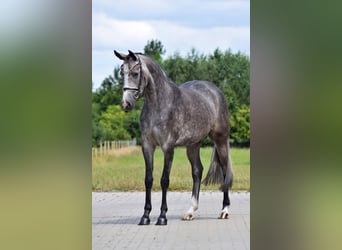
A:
(160, 91)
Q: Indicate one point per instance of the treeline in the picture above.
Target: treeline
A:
(229, 71)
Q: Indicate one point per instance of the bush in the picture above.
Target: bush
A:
(111, 123)
(239, 127)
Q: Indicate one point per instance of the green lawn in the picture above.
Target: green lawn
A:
(125, 170)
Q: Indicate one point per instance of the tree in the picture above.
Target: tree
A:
(154, 49)
(112, 124)
(109, 93)
(240, 127)
(131, 123)
(175, 68)
(96, 129)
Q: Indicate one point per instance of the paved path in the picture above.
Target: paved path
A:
(116, 215)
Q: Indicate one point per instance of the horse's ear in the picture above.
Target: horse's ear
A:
(120, 55)
(132, 55)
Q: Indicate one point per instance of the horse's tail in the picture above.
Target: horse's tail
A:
(216, 170)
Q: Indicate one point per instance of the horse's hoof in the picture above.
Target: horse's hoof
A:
(188, 217)
(223, 215)
(144, 221)
(162, 221)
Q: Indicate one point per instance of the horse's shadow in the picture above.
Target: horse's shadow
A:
(124, 220)
(130, 220)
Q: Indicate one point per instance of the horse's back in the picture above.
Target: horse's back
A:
(215, 101)
(195, 84)
(207, 92)
(203, 88)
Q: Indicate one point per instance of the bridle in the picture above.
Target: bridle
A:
(137, 90)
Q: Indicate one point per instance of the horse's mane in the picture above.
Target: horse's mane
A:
(153, 66)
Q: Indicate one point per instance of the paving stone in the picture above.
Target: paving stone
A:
(116, 214)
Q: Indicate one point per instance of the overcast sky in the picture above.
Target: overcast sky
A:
(178, 24)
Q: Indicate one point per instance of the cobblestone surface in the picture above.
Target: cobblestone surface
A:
(116, 215)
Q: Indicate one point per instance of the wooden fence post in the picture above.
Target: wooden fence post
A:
(106, 147)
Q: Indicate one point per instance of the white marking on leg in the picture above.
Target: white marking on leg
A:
(224, 213)
(225, 210)
(194, 206)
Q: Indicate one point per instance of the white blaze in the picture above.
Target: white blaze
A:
(125, 70)
(126, 85)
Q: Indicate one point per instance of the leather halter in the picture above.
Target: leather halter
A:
(136, 90)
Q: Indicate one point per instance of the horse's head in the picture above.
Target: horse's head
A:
(131, 71)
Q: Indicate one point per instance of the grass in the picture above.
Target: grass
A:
(124, 170)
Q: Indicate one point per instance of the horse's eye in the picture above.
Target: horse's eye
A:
(134, 74)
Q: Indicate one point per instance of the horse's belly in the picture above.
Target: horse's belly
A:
(178, 136)
(194, 133)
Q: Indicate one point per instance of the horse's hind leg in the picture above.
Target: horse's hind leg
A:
(226, 202)
(197, 169)
(222, 148)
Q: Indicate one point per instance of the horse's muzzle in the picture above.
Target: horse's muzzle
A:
(127, 106)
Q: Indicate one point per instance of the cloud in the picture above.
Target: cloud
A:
(135, 6)
(180, 25)
(110, 33)
(167, 8)
(180, 38)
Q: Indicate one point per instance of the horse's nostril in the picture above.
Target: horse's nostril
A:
(125, 105)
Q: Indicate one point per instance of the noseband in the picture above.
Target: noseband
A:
(137, 90)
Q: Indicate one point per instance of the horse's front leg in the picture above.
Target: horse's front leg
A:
(148, 152)
(164, 182)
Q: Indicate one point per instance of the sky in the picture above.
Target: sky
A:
(179, 24)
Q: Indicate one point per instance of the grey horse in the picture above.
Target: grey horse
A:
(177, 116)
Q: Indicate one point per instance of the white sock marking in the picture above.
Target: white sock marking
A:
(225, 210)
(194, 206)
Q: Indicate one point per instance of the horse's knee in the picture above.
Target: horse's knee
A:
(164, 182)
(197, 173)
(148, 182)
